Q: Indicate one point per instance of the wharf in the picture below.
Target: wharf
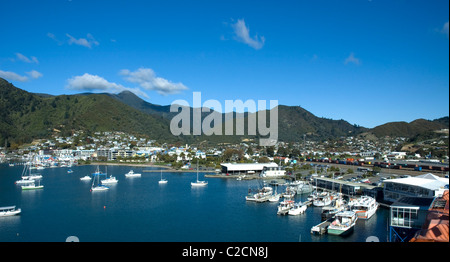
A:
(321, 228)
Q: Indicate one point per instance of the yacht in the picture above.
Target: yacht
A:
(343, 223)
(9, 211)
(97, 186)
(199, 183)
(365, 207)
(132, 174)
(163, 180)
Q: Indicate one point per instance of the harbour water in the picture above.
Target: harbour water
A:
(140, 209)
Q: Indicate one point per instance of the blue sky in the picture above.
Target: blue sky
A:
(366, 61)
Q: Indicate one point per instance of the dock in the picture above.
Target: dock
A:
(321, 228)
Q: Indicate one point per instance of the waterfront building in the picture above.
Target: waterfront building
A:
(348, 188)
(436, 226)
(407, 216)
(249, 168)
(427, 185)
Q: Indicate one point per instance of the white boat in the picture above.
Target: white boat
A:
(299, 208)
(33, 186)
(365, 207)
(132, 174)
(98, 187)
(263, 195)
(199, 183)
(109, 180)
(70, 171)
(24, 181)
(284, 207)
(163, 180)
(343, 223)
(323, 199)
(9, 211)
(85, 178)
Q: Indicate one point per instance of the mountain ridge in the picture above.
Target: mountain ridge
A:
(25, 116)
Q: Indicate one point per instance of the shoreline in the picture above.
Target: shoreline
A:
(128, 164)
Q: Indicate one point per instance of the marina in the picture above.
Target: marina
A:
(141, 210)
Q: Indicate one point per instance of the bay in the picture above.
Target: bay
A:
(141, 210)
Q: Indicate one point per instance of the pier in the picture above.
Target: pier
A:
(321, 228)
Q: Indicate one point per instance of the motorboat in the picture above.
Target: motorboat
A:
(33, 186)
(132, 174)
(365, 207)
(343, 223)
(24, 181)
(285, 206)
(323, 199)
(85, 178)
(299, 208)
(9, 211)
(110, 180)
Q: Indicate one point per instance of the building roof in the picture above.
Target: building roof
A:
(428, 181)
(247, 166)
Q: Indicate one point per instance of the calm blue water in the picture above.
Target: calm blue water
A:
(139, 209)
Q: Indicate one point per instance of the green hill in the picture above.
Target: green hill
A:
(25, 116)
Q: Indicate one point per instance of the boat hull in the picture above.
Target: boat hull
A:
(32, 187)
(340, 232)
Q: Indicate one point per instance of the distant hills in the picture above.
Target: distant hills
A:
(25, 116)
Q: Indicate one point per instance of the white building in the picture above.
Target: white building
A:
(249, 168)
(427, 185)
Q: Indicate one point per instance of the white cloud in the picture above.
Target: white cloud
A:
(88, 82)
(88, 42)
(34, 74)
(352, 59)
(25, 59)
(242, 33)
(147, 79)
(445, 29)
(8, 75)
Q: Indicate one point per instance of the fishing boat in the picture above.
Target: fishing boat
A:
(284, 207)
(323, 199)
(132, 174)
(163, 180)
(299, 208)
(9, 211)
(275, 197)
(263, 195)
(343, 223)
(337, 205)
(198, 183)
(365, 207)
